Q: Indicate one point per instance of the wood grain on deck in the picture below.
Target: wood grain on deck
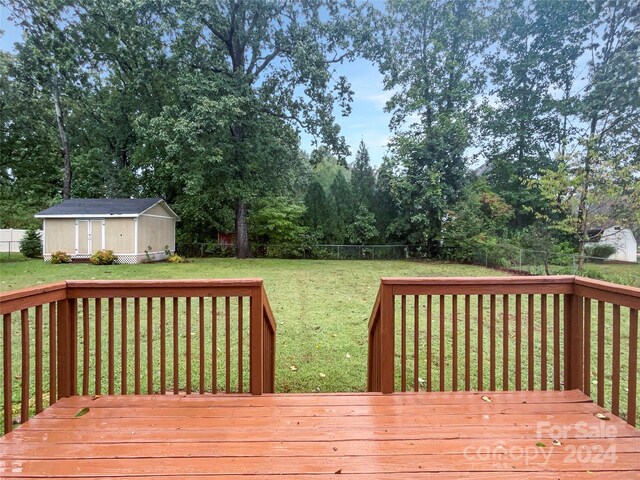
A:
(356, 436)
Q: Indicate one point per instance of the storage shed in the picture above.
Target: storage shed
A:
(621, 239)
(136, 229)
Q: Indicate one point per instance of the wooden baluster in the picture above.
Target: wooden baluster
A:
(454, 338)
(53, 367)
(587, 347)
(467, 342)
(632, 387)
(505, 342)
(240, 379)
(601, 337)
(86, 341)
(227, 324)
(214, 345)
(38, 358)
(163, 345)
(7, 381)
(73, 310)
(556, 342)
(543, 342)
(111, 346)
(492, 343)
(188, 343)
(429, 342)
(530, 343)
(202, 335)
(615, 373)
(98, 319)
(442, 344)
(176, 350)
(149, 345)
(403, 345)
(24, 402)
(518, 342)
(480, 344)
(136, 347)
(123, 336)
(64, 346)
(416, 344)
(260, 373)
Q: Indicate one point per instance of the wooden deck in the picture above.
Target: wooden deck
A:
(501, 435)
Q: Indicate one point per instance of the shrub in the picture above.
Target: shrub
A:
(175, 258)
(103, 257)
(600, 250)
(60, 257)
(31, 244)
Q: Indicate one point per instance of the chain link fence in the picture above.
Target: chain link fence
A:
(319, 252)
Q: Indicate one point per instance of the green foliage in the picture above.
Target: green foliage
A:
(60, 257)
(599, 250)
(31, 244)
(476, 223)
(278, 223)
(363, 179)
(363, 228)
(103, 257)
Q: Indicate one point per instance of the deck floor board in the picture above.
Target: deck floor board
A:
(468, 435)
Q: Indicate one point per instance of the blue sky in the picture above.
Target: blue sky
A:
(367, 120)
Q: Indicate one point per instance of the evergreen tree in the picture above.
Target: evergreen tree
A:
(318, 212)
(342, 207)
(363, 180)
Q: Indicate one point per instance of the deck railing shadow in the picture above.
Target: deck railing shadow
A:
(507, 333)
(188, 336)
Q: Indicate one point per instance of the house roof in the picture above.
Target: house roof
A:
(102, 207)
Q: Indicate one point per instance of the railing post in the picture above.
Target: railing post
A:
(574, 351)
(256, 339)
(387, 339)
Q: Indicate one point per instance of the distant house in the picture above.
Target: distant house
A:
(136, 229)
(622, 239)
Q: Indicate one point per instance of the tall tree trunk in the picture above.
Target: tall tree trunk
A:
(242, 232)
(583, 218)
(64, 144)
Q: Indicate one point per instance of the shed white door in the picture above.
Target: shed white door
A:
(96, 236)
(82, 237)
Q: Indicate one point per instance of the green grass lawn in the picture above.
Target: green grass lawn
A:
(624, 273)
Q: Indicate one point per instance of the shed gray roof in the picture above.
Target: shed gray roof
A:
(100, 207)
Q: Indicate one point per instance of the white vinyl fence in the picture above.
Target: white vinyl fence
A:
(10, 239)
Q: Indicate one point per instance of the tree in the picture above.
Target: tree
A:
(49, 61)
(30, 168)
(342, 208)
(363, 180)
(277, 222)
(538, 44)
(266, 53)
(385, 208)
(363, 228)
(426, 53)
(318, 212)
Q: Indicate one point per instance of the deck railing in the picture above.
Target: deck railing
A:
(507, 333)
(134, 337)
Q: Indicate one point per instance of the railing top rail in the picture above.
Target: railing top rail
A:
(518, 280)
(611, 287)
(376, 307)
(270, 317)
(181, 283)
(28, 297)
(31, 291)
